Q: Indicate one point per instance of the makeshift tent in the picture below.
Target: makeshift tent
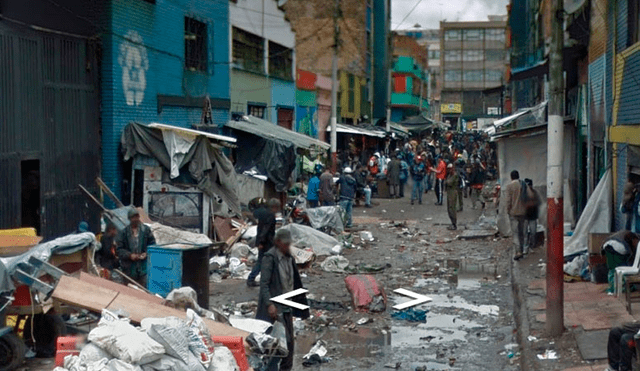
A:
(525, 150)
(356, 130)
(418, 124)
(596, 217)
(210, 170)
(270, 149)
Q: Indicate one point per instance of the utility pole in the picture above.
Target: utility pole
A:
(334, 89)
(555, 178)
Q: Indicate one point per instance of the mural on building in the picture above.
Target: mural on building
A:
(135, 63)
(307, 121)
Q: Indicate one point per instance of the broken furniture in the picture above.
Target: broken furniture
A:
(631, 297)
(173, 266)
(623, 272)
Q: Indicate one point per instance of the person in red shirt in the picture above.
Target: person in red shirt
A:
(441, 174)
(374, 167)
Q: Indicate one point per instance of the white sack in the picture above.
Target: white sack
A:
(125, 342)
(303, 237)
(223, 360)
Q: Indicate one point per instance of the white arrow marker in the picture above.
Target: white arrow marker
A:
(282, 299)
(419, 299)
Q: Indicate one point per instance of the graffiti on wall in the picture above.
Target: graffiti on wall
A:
(307, 121)
(135, 63)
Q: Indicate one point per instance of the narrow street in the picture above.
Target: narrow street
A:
(469, 323)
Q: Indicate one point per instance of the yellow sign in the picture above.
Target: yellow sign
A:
(451, 108)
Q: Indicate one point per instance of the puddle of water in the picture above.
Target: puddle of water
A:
(440, 328)
(468, 284)
(365, 342)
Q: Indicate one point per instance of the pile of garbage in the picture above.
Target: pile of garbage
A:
(159, 344)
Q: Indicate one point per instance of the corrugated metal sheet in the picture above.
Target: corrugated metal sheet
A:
(48, 112)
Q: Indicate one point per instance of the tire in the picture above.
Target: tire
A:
(11, 352)
(46, 329)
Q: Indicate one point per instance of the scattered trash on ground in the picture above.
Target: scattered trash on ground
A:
(336, 263)
(548, 354)
(366, 294)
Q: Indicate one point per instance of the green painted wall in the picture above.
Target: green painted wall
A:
(249, 87)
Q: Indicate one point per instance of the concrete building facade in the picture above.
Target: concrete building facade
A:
(473, 59)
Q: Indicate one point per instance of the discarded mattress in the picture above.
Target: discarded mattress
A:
(303, 237)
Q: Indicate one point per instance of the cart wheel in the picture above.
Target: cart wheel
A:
(46, 329)
(12, 351)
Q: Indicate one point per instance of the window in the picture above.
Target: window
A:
(493, 75)
(352, 94)
(495, 55)
(452, 55)
(256, 109)
(248, 50)
(452, 75)
(280, 61)
(472, 75)
(452, 35)
(472, 34)
(633, 22)
(472, 55)
(434, 54)
(195, 45)
(495, 34)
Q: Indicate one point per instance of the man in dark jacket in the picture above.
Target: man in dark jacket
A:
(132, 246)
(106, 257)
(532, 209)
(347, 193)
(266, 216)
(362, 175)
(325, 192)
(393, 177)
(279, 276)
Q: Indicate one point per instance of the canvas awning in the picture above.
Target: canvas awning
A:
(268, 130)
(523, 119)
(192, 132)
(348, 129)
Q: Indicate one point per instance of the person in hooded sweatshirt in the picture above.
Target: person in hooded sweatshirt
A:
(347, 191)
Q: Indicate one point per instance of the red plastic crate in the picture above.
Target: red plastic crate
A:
(236, 346)
(65, 345)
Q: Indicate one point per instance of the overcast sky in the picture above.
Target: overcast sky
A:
(429, 13)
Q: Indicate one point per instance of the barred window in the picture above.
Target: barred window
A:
(195, 45)
(280, 61)
(248, 50)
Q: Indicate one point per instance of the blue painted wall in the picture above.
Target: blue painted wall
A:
(144, 44)
(283, 93)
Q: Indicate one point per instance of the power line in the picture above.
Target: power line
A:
(408, 14)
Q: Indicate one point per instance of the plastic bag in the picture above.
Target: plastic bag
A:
(119, 365)
(125, 342)
(74, 363)
(223, 360)
(167, 363)
(173, 335)
(93, 353)
(200, 342)
(335, 264)
(365, 291)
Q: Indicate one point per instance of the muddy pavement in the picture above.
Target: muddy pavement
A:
(469, 323)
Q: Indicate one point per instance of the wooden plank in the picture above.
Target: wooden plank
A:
(110, 194)
(81, 294)
(86, 295)
(86, 277)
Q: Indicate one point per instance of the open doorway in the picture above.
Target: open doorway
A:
(30, 193)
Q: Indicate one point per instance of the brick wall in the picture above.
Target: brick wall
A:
(144, 44)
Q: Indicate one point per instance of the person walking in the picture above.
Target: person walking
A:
(325, 195)
(347, 191)
(314, 187)
(462, 177)
(279, 275)
(417, 175)
(393, 177)
(452, 185)
(516, 211)
(532, 210)
(478, 177)
(404, 175)
(441, 174)
(266, 216)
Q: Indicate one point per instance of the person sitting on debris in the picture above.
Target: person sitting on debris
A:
(452, 185)
(314, 187)
(279, 276)
(347, 193)
(531, 213)
(621, 346)
(132, 246)
(516, 211)
(266, 217)
(362, 179)
(325, 195)
(106, 257)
